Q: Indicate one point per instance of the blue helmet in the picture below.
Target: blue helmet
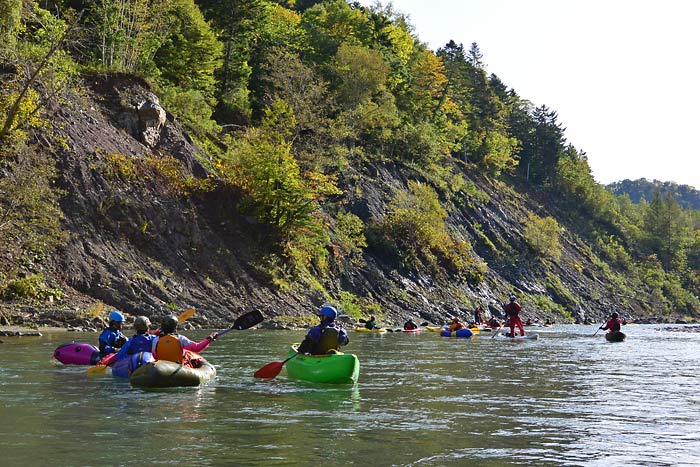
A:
(116, 316)
(329, 312)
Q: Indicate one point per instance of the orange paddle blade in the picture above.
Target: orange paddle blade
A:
(97, 369)
(185, 315)
(269, 371)
(102, 365)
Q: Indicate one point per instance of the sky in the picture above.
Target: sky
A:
(623, 75)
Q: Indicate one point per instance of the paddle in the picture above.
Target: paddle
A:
(245, 321)
(499, 328)
(107, 360)
(272, 369)
(596, 332)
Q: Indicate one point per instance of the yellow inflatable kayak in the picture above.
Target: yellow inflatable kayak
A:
(375, 330)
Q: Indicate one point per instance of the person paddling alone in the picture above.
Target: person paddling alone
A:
(325, 337)
(371, 323)
(613, 324)
(513, 315)
(410, 325)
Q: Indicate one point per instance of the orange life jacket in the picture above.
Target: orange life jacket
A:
(168, 348)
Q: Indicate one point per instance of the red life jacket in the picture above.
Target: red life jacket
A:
(513, 309)
(613, 324)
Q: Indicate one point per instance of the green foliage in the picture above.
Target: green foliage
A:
(414, 234)
(348, 240)
(42, 67)
(10, 11)
(546, 304)
(30, 216)
(361, 73)
(30, 288)
(192, 108)
(542, 235)
(190, 53)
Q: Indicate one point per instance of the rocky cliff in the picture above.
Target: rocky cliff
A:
(144, 241)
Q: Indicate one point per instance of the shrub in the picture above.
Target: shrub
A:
(542, 235)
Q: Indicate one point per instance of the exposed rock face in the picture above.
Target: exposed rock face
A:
(139, 247)
(151, 119)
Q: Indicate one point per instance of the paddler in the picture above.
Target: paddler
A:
(371, 323)
(456, 325)
(325, 337)
(142, 341)
(111, 339)
(613, 324)
(171, 346)
(410, 325)
(513, 315)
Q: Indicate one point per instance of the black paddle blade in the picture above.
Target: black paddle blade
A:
(248, 320)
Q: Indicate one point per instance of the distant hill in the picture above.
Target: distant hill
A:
(685, 195)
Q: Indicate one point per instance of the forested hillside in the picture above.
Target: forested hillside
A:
(280, 155)
(643, 190)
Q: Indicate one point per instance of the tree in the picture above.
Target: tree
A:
(10, 13)
(190, 53)
(666, 230)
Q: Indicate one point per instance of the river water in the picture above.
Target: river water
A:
(567, 399)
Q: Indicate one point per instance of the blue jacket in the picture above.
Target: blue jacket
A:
(110, 340)
(138, 343)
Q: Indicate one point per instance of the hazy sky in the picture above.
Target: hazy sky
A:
(623, 75)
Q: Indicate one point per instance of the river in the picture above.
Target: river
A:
(567, 399)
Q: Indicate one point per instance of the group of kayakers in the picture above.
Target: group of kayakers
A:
(327, 336)
(164, 343)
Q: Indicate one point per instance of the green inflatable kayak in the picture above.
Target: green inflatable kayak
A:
(336, 368)
(165, 374)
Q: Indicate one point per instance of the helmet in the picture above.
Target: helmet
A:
(512, 297)
(410, 318)
(116, 316)
(142, 323)
(169, 324)
(615, 315)
(328, 312)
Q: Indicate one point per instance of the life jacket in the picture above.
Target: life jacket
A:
(614, 324)
(169, 348)
(328, 341)
(456, 327)
(512, 309)
(140, 343)
(410, 325)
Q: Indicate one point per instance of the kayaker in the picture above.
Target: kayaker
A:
(325, 336)
(513, 315)
(493, 323)
(111, 339)
(142, 341)
(613, 324)
(371, 323)
(410, 325)
(479, 315)
(171, 346)
(456, 325)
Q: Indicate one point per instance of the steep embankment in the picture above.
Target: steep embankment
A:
(144, 239)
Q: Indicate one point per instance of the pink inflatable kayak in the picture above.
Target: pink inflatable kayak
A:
(77, 353)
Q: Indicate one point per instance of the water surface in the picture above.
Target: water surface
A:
(567, 399)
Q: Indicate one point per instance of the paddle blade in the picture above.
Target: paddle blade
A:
(185, 315)
(102, 365)
(269, 371)
(425, 323)
(248, 320)
(97, 370)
